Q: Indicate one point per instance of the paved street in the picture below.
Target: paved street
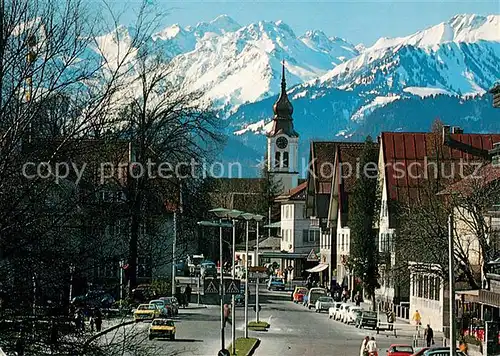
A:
(294, 331)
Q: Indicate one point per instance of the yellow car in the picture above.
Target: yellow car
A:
(162, 328)
(146, 312)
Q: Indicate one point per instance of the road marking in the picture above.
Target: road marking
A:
(269, 321)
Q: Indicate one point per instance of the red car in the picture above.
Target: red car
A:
(400, 350)
(298, 294)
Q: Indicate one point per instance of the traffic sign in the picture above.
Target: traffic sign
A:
(254, 307)
(232, 286)
(312, 256)
(223, 352)
(290, 268)
(211, 286)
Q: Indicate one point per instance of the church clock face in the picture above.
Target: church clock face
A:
(281, 142)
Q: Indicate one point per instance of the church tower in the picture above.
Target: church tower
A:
(282, 142)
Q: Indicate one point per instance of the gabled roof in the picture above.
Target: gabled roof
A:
(319, 175)
(407, 157)
(485, 175)
(348, 156)
(297, 193)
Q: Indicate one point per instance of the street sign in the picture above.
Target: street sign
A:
(232, 286)
(211, 286)
(254, 307)
(257, 269)
(312, 256)
(290, 268)
(223, 352)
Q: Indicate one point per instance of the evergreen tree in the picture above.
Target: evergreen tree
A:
(363, 212)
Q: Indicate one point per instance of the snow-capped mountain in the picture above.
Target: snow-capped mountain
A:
(338, 90)
(233, 64)
(459, 57)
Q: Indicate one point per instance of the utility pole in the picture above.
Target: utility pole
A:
(233, 300)
(257, 307)
(451, 275)
(174, 244)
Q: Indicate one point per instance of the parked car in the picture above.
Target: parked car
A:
(350, 317)
(146, 312)
(313, 295)
(441, 351)
(208, 269)
(367, 319)
(298, 294)
(445, 352)
(94, 299)
(334, 309)
(162, 328)
(344, 307)
(324, 303)
(276, 283)
(400, 350)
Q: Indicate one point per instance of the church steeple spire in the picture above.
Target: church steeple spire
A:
(283, 80)
(283, 110)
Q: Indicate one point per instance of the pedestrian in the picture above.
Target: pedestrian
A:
(463, 347)
(364, 348)
(309, 281)
(372, 347)
(417, 318)
(429, 336)
(187, 294)
(98, 320)
(227, 314)
(357, 299)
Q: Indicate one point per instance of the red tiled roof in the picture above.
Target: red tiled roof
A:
(323, 158)
(408, 158)
(297, 193)
(480, 179)
(348, 155)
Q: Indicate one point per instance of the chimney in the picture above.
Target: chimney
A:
(457, 130)
(446, 133)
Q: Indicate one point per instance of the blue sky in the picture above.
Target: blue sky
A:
(356, 21)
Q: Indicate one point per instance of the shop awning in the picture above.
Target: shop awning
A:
(274, 225)
(319, 268)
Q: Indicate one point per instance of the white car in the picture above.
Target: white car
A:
(324, 303)
(350, 316)
(334, 309)
(344, 308)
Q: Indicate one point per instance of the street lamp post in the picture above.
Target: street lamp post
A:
(258, 219)
(247, 217)
(228, 214)
(451, 275)
(221, 291)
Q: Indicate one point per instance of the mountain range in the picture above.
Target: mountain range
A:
(340, 91)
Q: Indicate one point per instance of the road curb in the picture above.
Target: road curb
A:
(108, 330)
(254, 347)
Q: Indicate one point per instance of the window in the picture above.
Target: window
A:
(426, 287)
(314, 235)
(305, 235)
(277, 159)
(438, 288)
(420, 285)
(343, 243)
(285, 159)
